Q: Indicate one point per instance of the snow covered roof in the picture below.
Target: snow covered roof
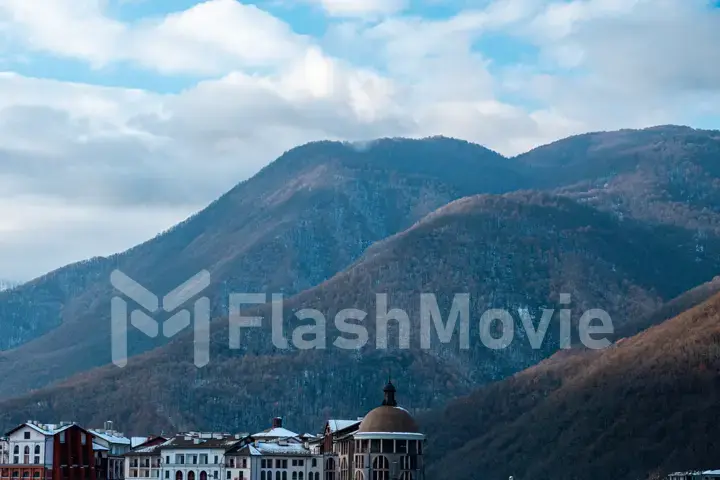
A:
(135, 441)
(112, 437)
(277, 449)
(190, 441)
(277, 432)
(47, 430)
(99, 448)
(337, 425)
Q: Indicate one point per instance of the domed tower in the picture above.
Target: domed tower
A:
(388, 443)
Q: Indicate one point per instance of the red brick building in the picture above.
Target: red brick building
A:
(50, 452)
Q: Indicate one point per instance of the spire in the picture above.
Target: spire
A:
(389, 394)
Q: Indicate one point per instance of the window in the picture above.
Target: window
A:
(278, 464)
(284, 464)
(194, 460)
(294, 476)
(26, 456)
(244, 463)
(263, 464)
(83, 438)
(217, 460)
(62, 437)
(301, 462)
(167, 473)
(301, 476)
(180, 459)
(26, 436)
(215, 474)
(359, 476)
(381, 468)
(277, 475)
(229, 475)
(329, 469)
(263, 475)
(242, 475)
(36, 475)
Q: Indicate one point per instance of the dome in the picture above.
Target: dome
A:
(388, 419)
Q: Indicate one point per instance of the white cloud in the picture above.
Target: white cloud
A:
(361, 8)
(210, 38)
(78, 161)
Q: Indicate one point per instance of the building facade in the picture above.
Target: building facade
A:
(50, 452)
(385, 445)
(144, 462)
(115, 445)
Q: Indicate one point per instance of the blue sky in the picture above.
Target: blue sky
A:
(119, 118)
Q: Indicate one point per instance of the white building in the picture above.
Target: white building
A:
(144, 461)
(197, 456)
(4, 453)
(280, 459)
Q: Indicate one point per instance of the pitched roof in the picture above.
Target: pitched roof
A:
(194, 441)
(276, 448)
(337, 425)
(277, 432)
(111, 437)
(47, 430)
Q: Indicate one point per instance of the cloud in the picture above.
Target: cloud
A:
(89, 170)
(361, 8)
(209, 38)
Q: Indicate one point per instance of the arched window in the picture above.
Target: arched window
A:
(277, 475)
(294, 476)
(179, 475)
(330, 469)
(302, 475)
(26, 455)
(381, 468)
(16, 450)
(262, 475)
(203, 475)
(191, 475)
(359, 475)
(37, 449)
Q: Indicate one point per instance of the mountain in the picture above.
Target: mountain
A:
(629, 222)
(666, 175)
(513, 251)
(645, 406)
(303, 218)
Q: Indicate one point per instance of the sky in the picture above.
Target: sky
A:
(119, 118)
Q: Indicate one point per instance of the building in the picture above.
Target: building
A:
(275, 432)
(144, 462)
(115, 446)
(4, 454)
(50, 452)
(279, 459)
(385, 445)
(197, 456)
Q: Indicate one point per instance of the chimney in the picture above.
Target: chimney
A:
(277, 422)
